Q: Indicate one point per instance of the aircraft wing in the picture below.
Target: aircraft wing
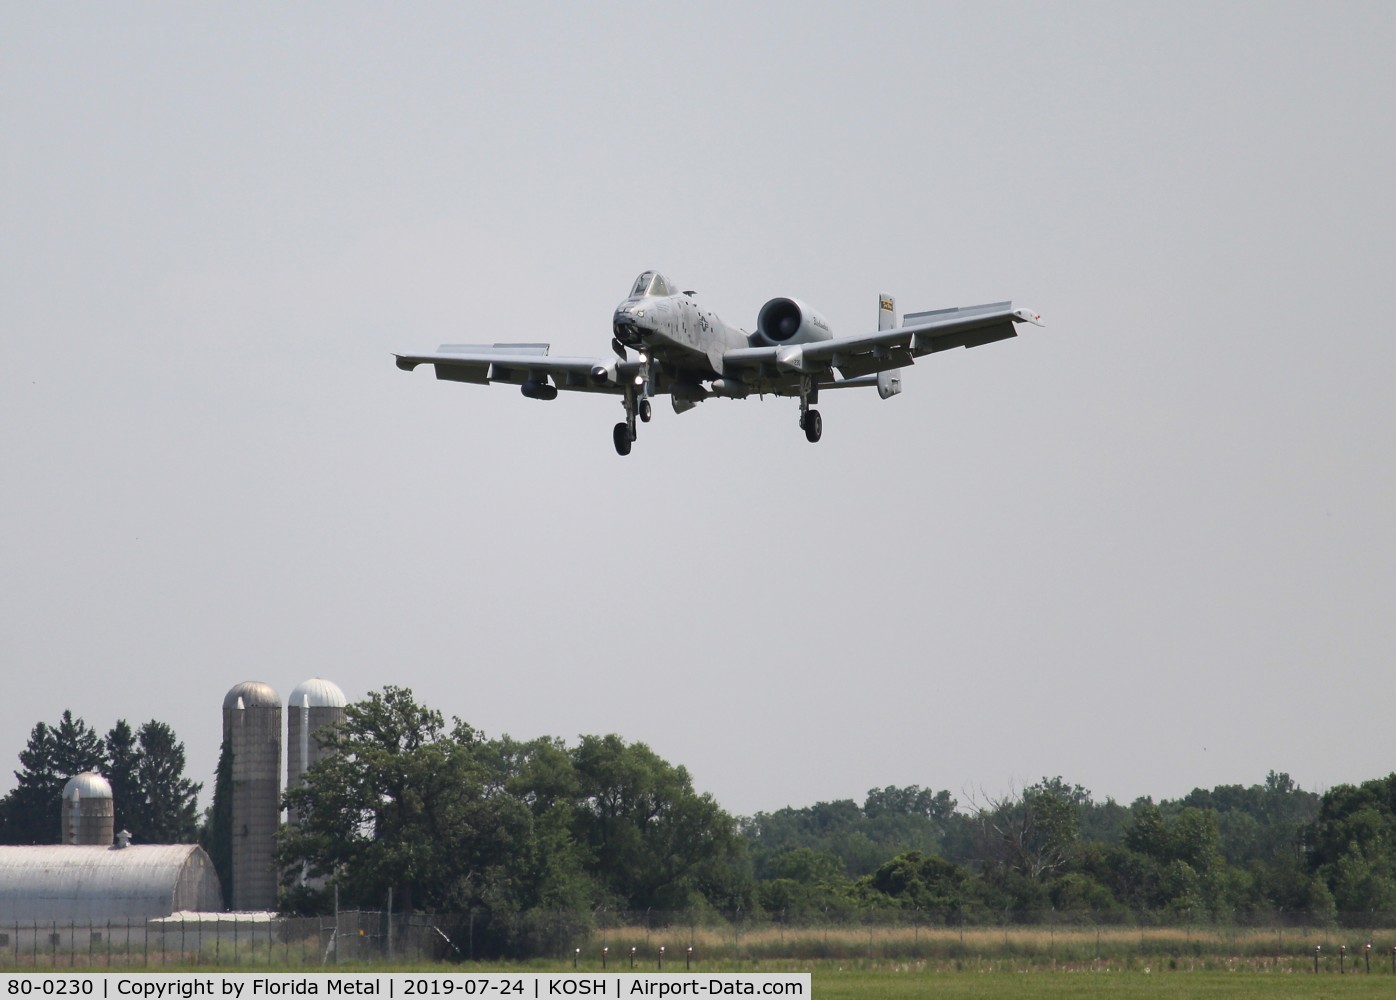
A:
(920, 334)
(518, 364)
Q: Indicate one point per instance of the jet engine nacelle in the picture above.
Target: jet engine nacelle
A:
(789, 321)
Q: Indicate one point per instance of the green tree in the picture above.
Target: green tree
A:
(216, 835)
(166, 806)
(552, 870)
(648, 834)
(1187, 870)
(891, 821)
(52, 756)
(122, 758)
(401, 804)
(1034, 834)
(806, 884)
(1352, 845)
(917, 881)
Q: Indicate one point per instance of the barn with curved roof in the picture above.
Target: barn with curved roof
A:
(92, 885)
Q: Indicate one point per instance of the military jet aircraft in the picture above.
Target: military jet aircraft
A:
(685, 352)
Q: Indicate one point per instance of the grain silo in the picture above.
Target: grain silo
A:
(314, 704)
(252, 732)
(89, 815)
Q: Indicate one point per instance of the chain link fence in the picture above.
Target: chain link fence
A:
(651, 939)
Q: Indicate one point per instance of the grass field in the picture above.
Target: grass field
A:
(1203, 948)
(866, 962)
(886, 985)
(973, 979)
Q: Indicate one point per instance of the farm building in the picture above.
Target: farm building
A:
(90, 886)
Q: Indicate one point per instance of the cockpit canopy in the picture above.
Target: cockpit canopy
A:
(651, 283)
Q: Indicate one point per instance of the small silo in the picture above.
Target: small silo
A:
(252, 732)
(314, 704)
(89, 815)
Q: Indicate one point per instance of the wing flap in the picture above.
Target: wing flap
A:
(477, 374)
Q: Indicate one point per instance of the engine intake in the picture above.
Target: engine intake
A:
(789, 321)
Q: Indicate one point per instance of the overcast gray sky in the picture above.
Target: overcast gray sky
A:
(1147, 548)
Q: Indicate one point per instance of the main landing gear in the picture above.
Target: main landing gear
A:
(624, 437)
(624, 432)
(810, 420)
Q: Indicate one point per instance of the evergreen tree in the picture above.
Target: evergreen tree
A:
(216, 836)
(122, 756)
(165, 810)
(53, 754)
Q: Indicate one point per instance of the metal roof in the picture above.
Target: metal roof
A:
(318, 693)
(253, 694)
(92, 885)
(88, 785)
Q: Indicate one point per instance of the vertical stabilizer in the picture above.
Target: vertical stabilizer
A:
(887, 317)
(889, 383)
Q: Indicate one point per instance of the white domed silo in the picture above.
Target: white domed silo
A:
(252, 732)
(314, 704)
(89, 814)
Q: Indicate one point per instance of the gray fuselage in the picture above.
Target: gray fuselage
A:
(673, 329)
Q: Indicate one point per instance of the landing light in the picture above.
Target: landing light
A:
(644, 358)
(639, 380)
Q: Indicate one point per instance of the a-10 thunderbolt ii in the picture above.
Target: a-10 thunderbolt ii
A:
(685, 352)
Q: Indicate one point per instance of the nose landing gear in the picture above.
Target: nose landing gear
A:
(624, 432)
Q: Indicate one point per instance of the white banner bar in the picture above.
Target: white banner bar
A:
(401, 986)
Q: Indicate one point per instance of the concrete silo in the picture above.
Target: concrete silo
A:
(89, 814)
(314, 704)
(252, 732)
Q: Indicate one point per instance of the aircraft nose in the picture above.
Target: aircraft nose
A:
(626, 325)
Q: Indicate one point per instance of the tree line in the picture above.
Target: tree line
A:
(153, 800)
(439, 817)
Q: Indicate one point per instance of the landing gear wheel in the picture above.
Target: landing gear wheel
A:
(645, 411)
(813, 425)
(622, 437)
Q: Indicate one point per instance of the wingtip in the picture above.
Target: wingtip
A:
(1028, 316)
